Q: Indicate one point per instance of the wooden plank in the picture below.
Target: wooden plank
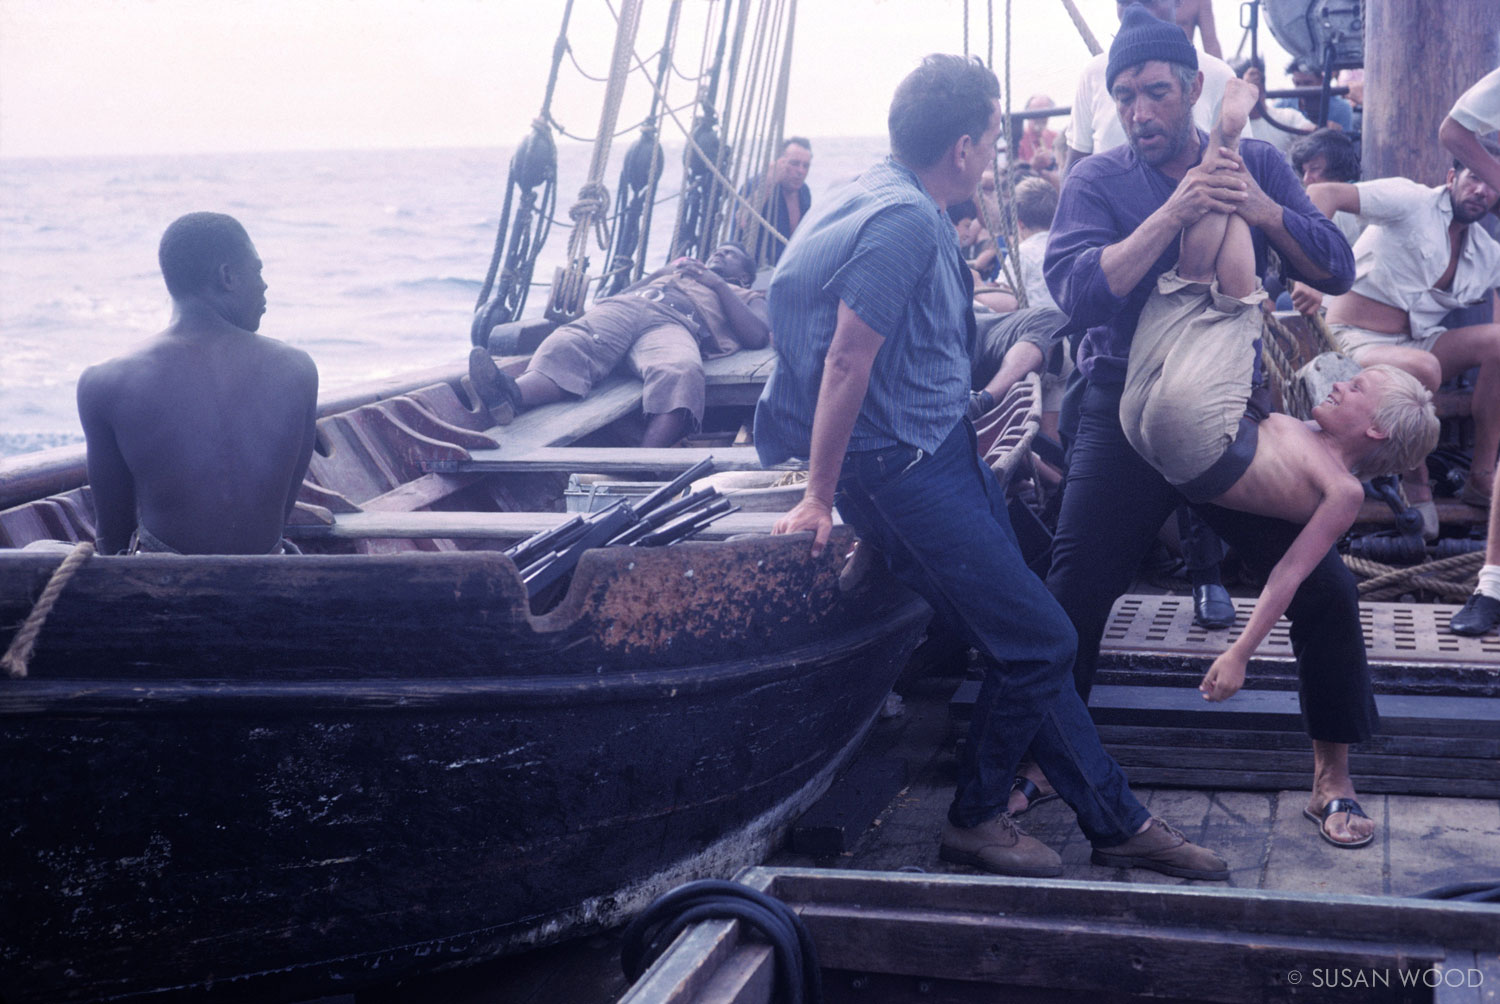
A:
(1360, 919)
(1478, 717)
(1482, 772)
(1297, 741)
(1174, 960)
(490, 525)
(849, 806)
(420, 492)
(613, 460)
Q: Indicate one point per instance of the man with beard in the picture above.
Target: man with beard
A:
(1117, 231)
(198, 440)
(1419, 257)
(664, 326)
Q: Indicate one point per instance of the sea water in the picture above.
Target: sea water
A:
(374, 258)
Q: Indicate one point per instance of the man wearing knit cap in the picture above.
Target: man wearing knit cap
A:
(1096, 128)
(1117, 230)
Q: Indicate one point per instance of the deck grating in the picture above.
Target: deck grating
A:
(1395, 633)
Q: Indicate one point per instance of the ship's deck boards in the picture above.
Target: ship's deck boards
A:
(1395, 633)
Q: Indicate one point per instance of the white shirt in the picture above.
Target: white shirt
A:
(1478, 109)
(1279, 138)
(1404, 251)
(1095, 125)
(1030, 254)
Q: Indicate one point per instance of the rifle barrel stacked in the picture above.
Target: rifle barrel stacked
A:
(550, 556)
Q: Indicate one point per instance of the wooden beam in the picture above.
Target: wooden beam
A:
(1428, 56)
(612, 459)
(490, 525)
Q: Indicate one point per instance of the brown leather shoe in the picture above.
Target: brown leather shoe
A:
(999, 846)
(1162, 848)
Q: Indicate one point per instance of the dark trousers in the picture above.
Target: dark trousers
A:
(1112, 507)
(940, 522)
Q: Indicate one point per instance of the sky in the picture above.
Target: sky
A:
(86, 77)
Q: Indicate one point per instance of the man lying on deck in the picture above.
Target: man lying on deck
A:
(872, 305)
(1117, 230)
(198, 440)
(1195, 407)
(664, 326)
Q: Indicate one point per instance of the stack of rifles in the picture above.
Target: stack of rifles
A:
(547, 560)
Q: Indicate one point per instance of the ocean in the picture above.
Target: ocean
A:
(374, 258)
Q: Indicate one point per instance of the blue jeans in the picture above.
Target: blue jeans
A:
(940, 522)
(1114, 502)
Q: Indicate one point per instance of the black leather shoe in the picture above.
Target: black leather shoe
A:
(1212, 607)
(1479, 615)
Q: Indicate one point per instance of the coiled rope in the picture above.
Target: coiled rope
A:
(18, 656)
(1453, 579)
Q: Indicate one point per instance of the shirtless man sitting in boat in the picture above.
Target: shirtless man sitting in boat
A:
(1192, 410)
(198, 440)
(664, 326)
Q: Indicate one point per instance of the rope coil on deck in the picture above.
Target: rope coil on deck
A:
(1453, 578)
(18, 657)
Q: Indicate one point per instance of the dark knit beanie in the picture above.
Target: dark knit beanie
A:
(1142, 38)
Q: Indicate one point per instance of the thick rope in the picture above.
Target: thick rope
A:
(18, 657)
(1451, 578)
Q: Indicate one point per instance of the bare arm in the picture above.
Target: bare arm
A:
(747, 322)
(1335, 513)
(112, 484)
(1334, 196)
(846, 377)
(1208, 31)
(1464, 145)
(309, 436)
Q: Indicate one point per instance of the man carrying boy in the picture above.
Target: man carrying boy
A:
(1195, 408)
(1117, 231)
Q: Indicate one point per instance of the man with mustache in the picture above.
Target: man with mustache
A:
(1117, 231)
(1419, 257)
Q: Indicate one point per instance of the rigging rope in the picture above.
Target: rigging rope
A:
(570, 283)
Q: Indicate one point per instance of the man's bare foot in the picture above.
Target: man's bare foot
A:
(1341, 821)
(1029, 790)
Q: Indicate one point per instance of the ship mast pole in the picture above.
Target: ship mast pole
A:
(1421, 58)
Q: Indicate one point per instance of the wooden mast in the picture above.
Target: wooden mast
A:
(1419, 57)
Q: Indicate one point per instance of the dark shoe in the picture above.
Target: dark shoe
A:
(496, 388)
(1479, 615)
(999, 846)
(1162, 849)
(1333, 808)
(1212, 607)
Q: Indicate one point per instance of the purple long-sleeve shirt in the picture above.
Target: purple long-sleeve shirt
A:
(1107, 196)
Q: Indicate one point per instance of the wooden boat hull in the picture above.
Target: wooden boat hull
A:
(279, 778)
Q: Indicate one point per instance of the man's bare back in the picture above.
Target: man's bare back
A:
(201, 436)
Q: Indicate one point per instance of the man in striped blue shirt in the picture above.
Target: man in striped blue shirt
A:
(874, 330)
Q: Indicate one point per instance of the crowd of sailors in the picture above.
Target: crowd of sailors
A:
(1150, 236)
